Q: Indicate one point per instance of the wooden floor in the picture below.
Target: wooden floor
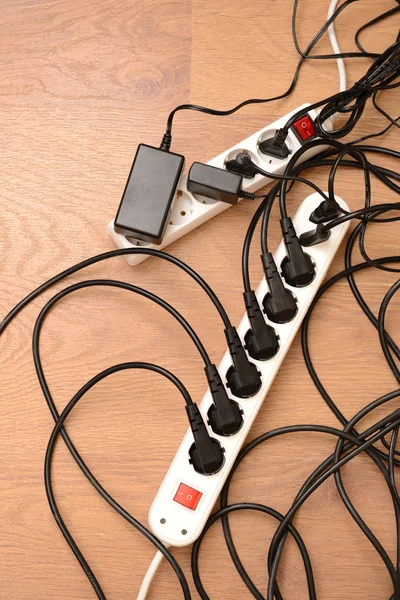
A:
(82, 83)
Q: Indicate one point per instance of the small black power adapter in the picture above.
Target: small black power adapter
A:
(146, 202)
(215, 183)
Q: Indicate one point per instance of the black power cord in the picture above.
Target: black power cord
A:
(71, 447)
(357, 233)
(304, 336)
(362, 54)
(59, 420)
(167, 138)
(105, 256)
(381, 329)
(370, 24)
(59, 428)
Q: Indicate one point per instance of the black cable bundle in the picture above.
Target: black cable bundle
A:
(350, 441)
(385, 460)
(381, 74)
(379, 441)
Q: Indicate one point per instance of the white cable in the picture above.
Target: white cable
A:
(148, 578)
(336, 49)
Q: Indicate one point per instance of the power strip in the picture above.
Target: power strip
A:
(186, 498)
(189, 211)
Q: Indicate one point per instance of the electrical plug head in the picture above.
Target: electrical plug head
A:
(280, 304)
(244, 384)
(207, 463)
(227, 420)
(262, 344)
(206, 454)
(280, 308)
(276, 146)
(242, 165)
(224, 416)
(261, 340)
(297, 267)
(243, 377)
(315, 236)
(324, 212)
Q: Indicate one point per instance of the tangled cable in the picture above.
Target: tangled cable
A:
(379, 441)
(350, 443)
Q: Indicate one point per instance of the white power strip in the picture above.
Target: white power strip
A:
(189, 211)
(170, 521)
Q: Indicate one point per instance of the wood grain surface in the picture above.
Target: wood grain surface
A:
(82, 83)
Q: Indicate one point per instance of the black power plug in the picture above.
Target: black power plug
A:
(276, 146)
(224, 415)
(315, 236)
(206, 454)
(297, 267)
(280, 305)
(242, 165)
(261, 340)
(324, 212)
(243, 377)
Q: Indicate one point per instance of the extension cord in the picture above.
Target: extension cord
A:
(175, 524)
(188, 211)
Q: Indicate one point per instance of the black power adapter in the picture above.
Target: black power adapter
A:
(215, 183)
(146, 202)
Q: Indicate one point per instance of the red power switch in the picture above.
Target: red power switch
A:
(304, 128)
(187, 496)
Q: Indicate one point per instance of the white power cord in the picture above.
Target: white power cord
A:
(148, 578)
(335, 47)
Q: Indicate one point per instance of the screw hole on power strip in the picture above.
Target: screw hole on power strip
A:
(203, 199)
(163, 521)
(139, 243)
(184, 532)
(182, 208)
